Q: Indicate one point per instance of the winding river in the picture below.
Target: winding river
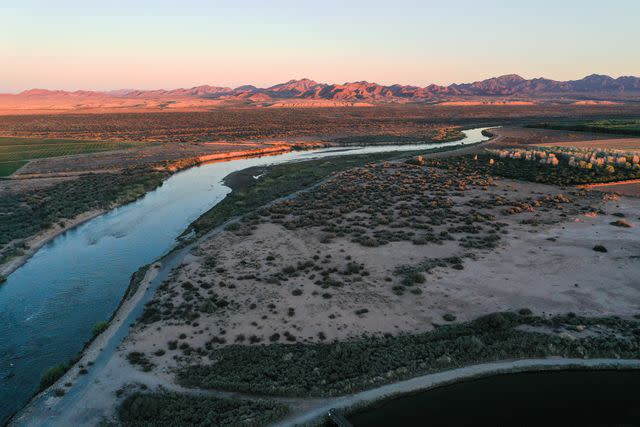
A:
(48, 306)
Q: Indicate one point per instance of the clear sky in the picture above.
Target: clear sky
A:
(111, 44)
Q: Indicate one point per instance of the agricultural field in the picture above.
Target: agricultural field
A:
(610, 126)
(20, 149)
(7, 168)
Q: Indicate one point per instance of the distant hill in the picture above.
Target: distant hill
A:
(509, 89)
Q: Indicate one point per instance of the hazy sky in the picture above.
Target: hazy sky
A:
(109, 44)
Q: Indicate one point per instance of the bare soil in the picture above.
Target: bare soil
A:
(337, 263)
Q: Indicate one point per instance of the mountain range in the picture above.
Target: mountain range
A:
(508, 88)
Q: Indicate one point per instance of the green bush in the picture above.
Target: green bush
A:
(99, 328)
(335, 368)
(52, 375)
(173, 409)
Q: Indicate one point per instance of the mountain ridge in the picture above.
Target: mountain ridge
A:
(506, 86)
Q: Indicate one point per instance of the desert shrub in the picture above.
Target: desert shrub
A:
(515, 168)
(622, 223)
(99, 328)
(344, 367)
(52, 375)
(449, 317)
(173, 409)
(139, 359)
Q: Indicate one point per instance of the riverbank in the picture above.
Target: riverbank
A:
(115, 367)
(37, 241)
(123, 332)
(362, 400)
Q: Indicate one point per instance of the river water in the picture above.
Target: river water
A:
(48, 306)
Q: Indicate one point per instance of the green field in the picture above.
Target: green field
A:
(7, 168)
(619, 127)
(22, 149)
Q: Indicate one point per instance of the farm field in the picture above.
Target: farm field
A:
(7, 168)
(613, 126)
(20, 149)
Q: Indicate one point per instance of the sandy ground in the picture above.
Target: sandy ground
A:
(550, 268)
(527, 270)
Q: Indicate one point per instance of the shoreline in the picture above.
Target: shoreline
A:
(121, 317)
(424, 383)
(37, 241)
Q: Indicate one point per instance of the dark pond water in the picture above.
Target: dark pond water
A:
(48, 306)
(558, 398)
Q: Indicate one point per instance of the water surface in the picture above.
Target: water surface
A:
(560, 398)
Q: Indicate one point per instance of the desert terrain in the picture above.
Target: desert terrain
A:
(446, 259)
(394, 249)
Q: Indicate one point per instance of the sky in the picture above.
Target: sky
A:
(151, 44)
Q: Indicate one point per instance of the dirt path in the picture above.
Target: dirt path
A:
(426, 382)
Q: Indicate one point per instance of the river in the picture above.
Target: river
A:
(48, 306)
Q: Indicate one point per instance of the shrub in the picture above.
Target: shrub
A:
(599, 248)
(622, 223)
(348, 366)
(138, 358)
(99, 328)
(52, 375)
(172, 409)
(449, 317)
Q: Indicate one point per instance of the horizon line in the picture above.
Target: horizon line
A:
(232, 87)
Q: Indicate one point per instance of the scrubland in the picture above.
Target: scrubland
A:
(395, 269)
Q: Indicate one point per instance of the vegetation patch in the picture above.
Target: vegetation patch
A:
(52, 375)
(173, 409)
(7, 168)
(281, 180)
(99, 328)
(344, 367)
(27, 213)
(560, 173)
(20, 149)
(615, 126)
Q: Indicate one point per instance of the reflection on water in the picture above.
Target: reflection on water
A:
(48, 306)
